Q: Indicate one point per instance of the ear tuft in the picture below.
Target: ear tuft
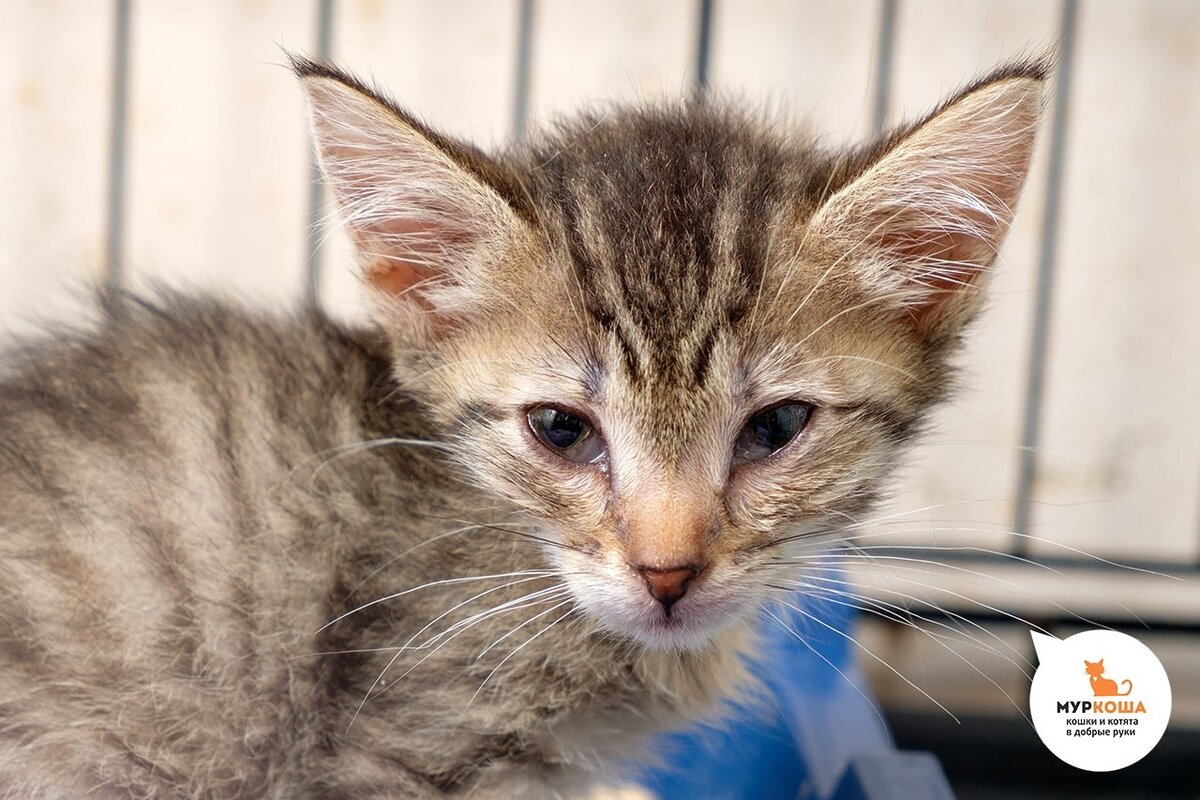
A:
(929, 209)
(428, 229)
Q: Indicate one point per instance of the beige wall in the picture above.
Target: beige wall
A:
(218, 184)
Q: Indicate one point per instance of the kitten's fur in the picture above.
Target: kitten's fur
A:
(182, 508)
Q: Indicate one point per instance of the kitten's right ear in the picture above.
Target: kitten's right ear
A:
(926, 210)
(427, 226)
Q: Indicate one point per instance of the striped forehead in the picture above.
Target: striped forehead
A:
(665, 225)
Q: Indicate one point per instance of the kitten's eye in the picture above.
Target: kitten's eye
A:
(770, 430)
(570, 436)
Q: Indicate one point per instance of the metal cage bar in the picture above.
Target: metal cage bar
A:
(1047, 261)
(118, 148)
(521, 81)
(316, 191)
(704, 25)
(885, 51)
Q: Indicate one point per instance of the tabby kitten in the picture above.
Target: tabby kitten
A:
(619, 377)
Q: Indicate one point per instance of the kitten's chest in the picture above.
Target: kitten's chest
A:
(471, 684)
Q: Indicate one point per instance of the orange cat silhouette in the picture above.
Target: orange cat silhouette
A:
(1101, 686)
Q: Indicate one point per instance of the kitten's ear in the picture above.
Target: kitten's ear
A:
(428, 227)
(926, 211)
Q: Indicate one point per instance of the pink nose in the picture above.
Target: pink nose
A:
(667, 586)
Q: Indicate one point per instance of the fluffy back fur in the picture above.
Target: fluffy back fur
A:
(243, 556)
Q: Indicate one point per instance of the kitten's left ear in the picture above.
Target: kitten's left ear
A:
(926, 211)
(431, 230)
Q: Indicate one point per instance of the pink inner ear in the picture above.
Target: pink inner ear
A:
(396, 277)
(939, 203)
(954, 259)
(953, 262)
(408, 254)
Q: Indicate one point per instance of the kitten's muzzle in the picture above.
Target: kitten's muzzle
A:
(668, 586)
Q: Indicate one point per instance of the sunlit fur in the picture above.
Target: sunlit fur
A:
(245, 556)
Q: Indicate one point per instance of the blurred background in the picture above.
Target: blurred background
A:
(1061, 488)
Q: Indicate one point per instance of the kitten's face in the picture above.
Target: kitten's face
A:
(664, 442)
(687, 346)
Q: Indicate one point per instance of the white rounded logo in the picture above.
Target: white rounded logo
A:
(1100, 700)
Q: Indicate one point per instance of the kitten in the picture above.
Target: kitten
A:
(623, 379)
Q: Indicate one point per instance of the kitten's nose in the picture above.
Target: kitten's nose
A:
(667, 586)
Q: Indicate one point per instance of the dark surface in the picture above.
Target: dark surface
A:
(987, 758)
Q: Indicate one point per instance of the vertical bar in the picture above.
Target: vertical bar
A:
(316, 193)
(524, 64)
(1036, 379)
(704, 47)
(118, 141)
(884, 56)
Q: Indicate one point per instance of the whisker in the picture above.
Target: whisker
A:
(533, 598)
(472, 599)
(908, 611)
(940, 640)
(518, 649)
(871, 653)
(512, 532)
(488, 649)
(431, 584)
(849, 561)
(344, 450)
(833, 666)
(379, 680)
(415, 547)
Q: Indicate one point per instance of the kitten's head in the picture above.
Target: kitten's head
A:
(686, 342)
